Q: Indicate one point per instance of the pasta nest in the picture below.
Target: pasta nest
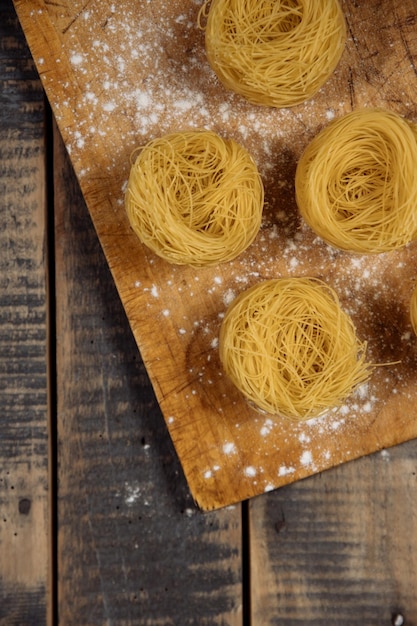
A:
(356, 183)
(290, 349)
(274, 52)
(195, 198)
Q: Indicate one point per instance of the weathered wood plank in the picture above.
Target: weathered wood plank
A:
(133, 549)
(24, 510)
(339, 548)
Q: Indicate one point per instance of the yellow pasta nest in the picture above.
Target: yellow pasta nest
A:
(274, 52)
(288, 346)
(195, 198)
(413, 310)
(356, 183)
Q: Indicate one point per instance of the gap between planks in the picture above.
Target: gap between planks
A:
(50, 130)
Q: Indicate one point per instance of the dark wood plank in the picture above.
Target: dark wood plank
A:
(133, 548)
(24, 510)
(339, 548)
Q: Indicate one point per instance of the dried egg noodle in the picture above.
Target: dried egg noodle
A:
(274, 52)
(290, 349)
(413, 310)
(356, 183)
(195, 198)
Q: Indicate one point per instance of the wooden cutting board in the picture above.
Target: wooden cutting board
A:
(120, 73)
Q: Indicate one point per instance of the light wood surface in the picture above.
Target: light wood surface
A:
(118, 77)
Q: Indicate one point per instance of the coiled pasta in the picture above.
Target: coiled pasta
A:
(274, 52)
(290, 349)
(195, 198)
(356, 183)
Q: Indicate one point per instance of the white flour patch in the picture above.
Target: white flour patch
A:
(228, 297)
(362, 391)
(284, 470)
(108, 107)
(229, 448)
(132, 494)
(306, 458)
(76, 58)
(266, 427)
(142, 98)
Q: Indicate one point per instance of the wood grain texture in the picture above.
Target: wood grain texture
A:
(115, 78)
(24, 510)
(132, 547)
(339, 548)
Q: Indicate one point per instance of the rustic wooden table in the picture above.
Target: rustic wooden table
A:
(97, 525)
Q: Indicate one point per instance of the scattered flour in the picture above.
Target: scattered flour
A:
(229, 448)
(132, 493)
(152, 106)
(267, 427)
(76, 58)
(284, 470)
(306, 458)
(228, 297)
